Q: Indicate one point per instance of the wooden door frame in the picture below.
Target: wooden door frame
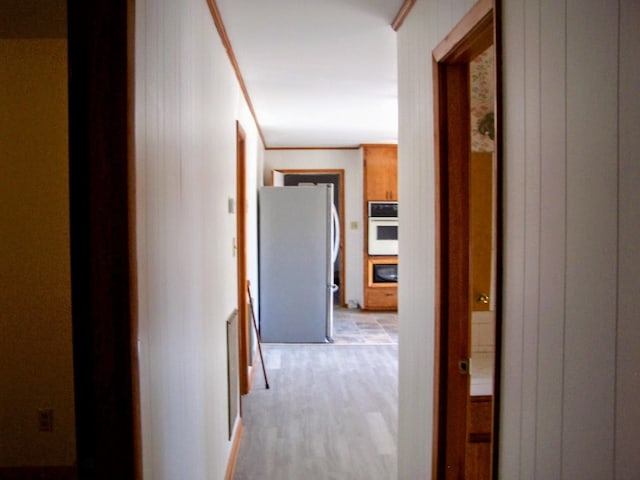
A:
(103, 238)
(244, 370)
(470, 37)
(340, 173)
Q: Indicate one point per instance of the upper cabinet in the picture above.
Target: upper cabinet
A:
(381, 172)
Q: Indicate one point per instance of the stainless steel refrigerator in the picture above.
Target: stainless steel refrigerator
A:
(299, 235)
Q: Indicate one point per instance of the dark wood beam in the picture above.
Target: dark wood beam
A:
(101, 172)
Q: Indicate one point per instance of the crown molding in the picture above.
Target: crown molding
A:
(355, 147)
(402, 14)
(217, 19)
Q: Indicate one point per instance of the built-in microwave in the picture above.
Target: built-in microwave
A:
(383, 272)
(383, 228)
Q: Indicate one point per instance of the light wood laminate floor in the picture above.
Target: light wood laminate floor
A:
(331, 413)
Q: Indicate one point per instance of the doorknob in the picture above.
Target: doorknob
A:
(482, 298)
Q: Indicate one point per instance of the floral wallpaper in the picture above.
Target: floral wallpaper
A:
(482, 103)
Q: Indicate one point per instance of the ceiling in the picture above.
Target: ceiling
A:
(318, 73)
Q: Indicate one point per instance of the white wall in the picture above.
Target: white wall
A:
(426, 25)
(36, 363)
(351, 162)
(627, 412)
(187, 103)
(571, 215)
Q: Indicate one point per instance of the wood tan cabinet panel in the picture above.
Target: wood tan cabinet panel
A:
(381, 298)
(478, 451)
(381, 172)
(481, 224)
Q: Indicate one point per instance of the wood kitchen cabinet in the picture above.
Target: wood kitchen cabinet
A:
(380, 296)
(380, 172)
(479, 439)
(381, 299)
(380, 184)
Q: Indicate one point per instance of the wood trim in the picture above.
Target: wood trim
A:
(133, 244)
(470, 37)
(222, 32)
(314, 148)
(241, 259)
(235, 448)
(340, 173)
(102, 216)
(498, 149)
(364, 145)
(455, 272)
(439, 109)
(402, 14)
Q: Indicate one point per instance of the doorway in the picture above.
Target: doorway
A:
(468, 314)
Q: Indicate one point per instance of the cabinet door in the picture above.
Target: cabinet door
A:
(381, 172)
(381, 298)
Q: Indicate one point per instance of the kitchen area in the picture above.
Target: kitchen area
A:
(366, 271)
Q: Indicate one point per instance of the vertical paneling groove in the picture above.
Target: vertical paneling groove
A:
(592, 224)
(627, 461)
(513, 22)
(552, 240)
(532, 235)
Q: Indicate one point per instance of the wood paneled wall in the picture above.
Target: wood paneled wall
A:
(187, 103)
(566, 369)
(571, 220)
(427, 24)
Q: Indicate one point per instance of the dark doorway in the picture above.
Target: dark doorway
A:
(295, 179)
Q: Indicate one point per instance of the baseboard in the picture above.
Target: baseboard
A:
(235, 447)
(38, 473)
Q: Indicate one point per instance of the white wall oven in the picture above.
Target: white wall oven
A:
(383, 228)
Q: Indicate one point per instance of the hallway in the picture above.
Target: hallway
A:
(330, 413)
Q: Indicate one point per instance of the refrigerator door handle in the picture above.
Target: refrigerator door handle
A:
(336, 234)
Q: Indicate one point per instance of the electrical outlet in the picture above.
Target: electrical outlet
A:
(45, 419)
